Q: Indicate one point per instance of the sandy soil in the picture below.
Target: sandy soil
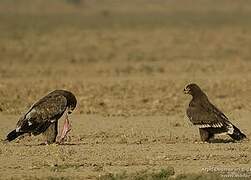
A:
(128, 68)
(99, 145)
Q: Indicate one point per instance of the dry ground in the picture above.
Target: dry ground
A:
(127, 64)
(99, 145)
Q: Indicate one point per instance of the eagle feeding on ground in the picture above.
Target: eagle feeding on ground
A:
(43, 116)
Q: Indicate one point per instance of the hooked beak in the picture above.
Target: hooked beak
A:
(186, 91)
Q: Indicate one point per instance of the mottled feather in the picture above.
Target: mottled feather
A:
(44, 114)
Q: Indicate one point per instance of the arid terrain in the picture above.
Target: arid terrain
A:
(128, 63)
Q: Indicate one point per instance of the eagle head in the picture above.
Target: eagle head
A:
(193, 89)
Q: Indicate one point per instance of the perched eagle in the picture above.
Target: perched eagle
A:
(208, 118)
(42, 117)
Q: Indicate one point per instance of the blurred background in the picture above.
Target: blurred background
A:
(127, 62)
(125, 57)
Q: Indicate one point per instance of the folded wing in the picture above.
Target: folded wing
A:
(42, 114)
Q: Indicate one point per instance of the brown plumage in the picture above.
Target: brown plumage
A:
(43, 116)
(208, 118)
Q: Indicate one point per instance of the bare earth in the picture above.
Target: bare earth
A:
(128, 65)
(98, 145)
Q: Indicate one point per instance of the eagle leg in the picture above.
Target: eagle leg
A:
(51, 133)
(205, 135)
(66, 129)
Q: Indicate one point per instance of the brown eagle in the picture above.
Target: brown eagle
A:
(208, 118)
(42, 117)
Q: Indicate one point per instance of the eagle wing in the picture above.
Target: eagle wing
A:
(42, 114)
(205, 115)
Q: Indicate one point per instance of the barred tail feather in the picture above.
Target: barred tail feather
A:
(237, 134)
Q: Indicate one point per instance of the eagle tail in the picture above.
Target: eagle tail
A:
(237, 134)
(13, 135)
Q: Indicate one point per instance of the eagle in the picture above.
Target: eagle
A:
(42, 117)
(207, 117)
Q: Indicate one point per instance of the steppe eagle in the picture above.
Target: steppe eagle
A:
(43, 116)
(208, 118)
